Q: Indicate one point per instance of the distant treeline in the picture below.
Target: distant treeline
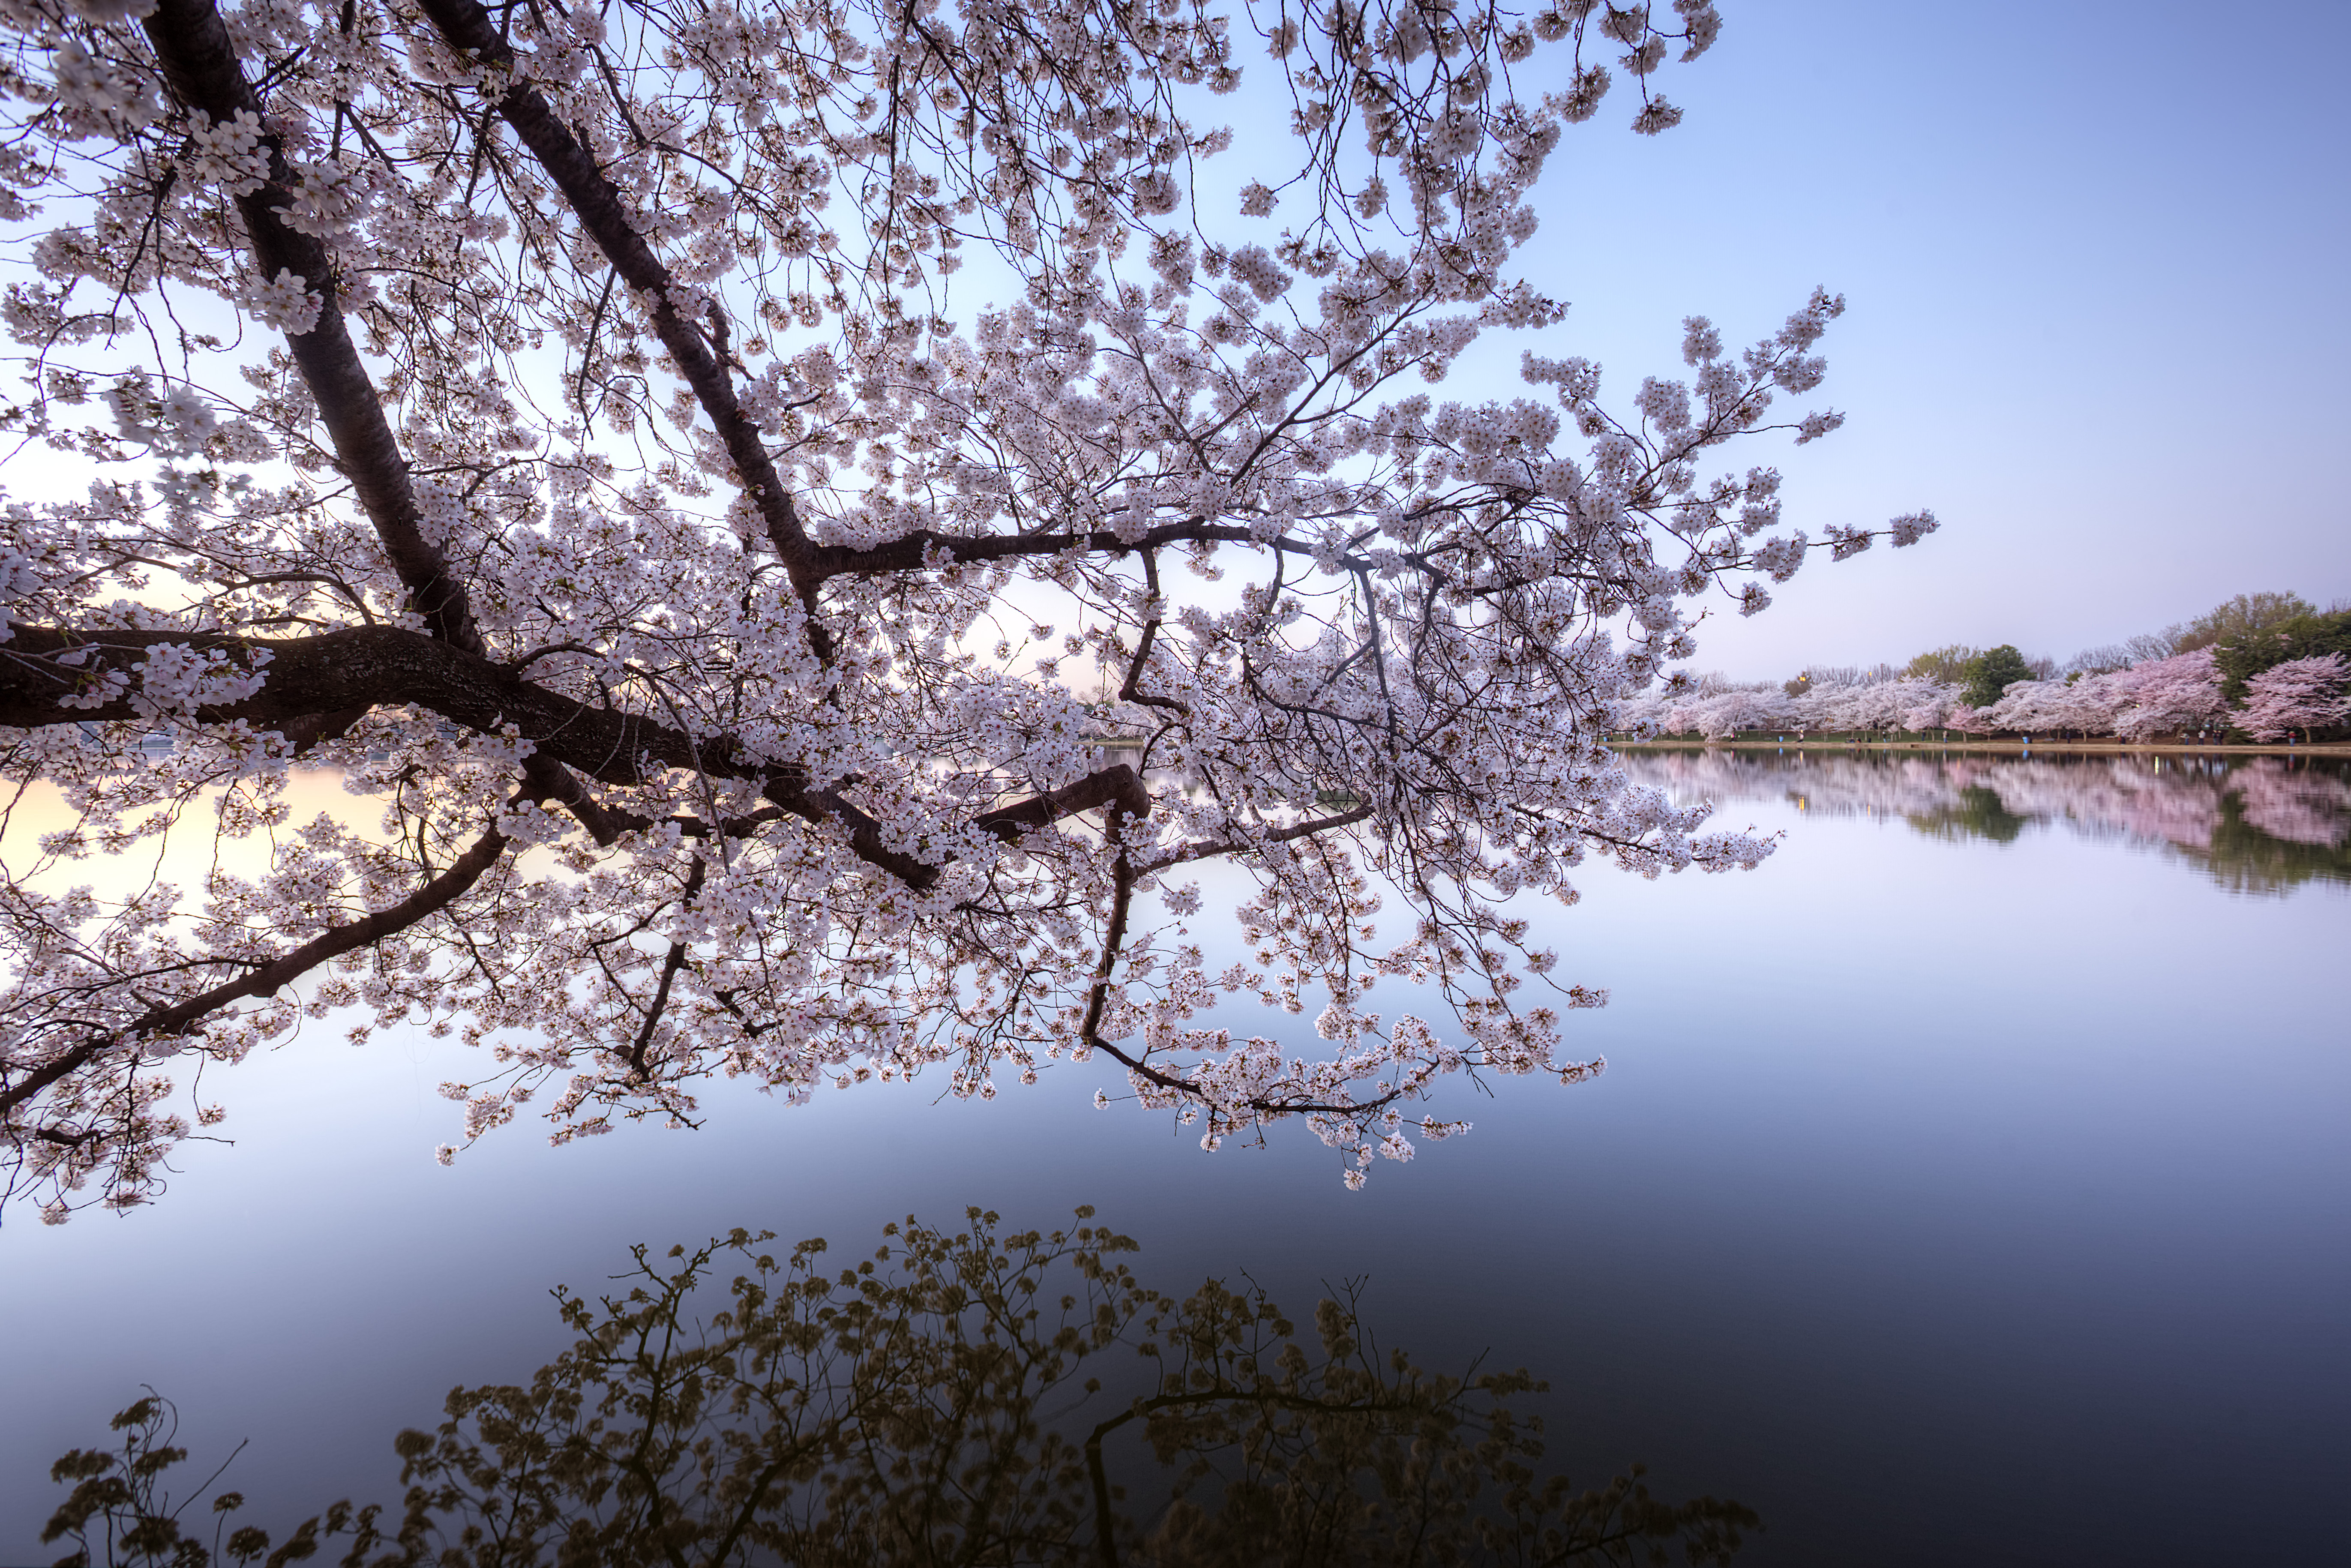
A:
(2262, 666)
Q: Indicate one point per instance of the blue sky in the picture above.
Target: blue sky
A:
(2094, 256)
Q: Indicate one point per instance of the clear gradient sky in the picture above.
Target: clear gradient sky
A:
(2094, 255)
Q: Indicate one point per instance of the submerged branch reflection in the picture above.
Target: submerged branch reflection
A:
(955, 1397)
(2258, 824)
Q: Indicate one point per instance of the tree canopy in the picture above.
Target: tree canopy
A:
(1993, 672)
(2244, 656)
(569, 426)
(2244, 616)
(1948, 662)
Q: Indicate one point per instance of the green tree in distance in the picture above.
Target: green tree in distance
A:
(941, 1402)
(1945, 663)
(2242, 655)
(2244, 616)
(1993, 672)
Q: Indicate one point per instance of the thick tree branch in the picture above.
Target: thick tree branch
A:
(1117, 786)
(365, 666)
(916, 550)
(355, 667)
(603, 212)
(199, 59)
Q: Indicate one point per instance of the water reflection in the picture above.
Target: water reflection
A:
(1998, 1185)
(916, 1415)
(2258, 824)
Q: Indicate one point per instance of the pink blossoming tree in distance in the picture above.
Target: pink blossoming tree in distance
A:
(2168, 697)
(568, 424)
(2301, 694)
(1968, 720)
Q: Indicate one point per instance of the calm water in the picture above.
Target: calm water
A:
(1969, 1185)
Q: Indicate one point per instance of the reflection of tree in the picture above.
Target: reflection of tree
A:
(911, 1410)
(2244, 859)
(1978, 813)
(2261, 825)
(2301, 805)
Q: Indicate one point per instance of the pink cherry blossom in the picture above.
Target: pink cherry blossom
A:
(2176, 695)
(2301, 694)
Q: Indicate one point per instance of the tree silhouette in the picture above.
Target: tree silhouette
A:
(967, 1398)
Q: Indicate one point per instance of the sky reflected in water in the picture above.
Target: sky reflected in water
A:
(1968, 1185)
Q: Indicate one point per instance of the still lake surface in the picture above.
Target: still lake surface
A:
(1969, 1185)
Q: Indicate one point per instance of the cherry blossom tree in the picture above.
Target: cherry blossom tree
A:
(1932, 707)
(1721, 714)
(2095, 704)
(2086, 707)
(2301, 694)
(2022, 706)
(2168, 697)
(1822, 707)
(1958, 715)
(569, 426)
(1887, 704)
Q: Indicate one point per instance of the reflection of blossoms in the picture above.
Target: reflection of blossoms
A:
(2188, 808)
(2182, 810)
(2299, 805)
(822, 1407)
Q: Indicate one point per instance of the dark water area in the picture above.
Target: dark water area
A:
(1968, 1184)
